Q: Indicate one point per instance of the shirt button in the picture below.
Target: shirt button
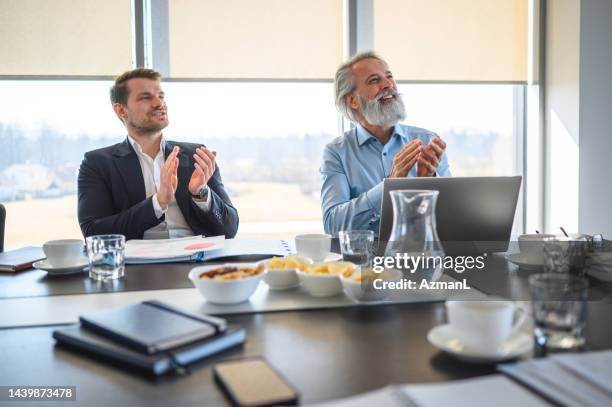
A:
(384, 154)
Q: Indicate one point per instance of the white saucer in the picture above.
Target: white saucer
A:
(332, 257)
(523, 262)
(328, 257)
(49, 268)
(444, 338)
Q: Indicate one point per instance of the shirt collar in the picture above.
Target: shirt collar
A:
(363, 136)
(138, 148)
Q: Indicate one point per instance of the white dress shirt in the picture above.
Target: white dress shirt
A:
(174, 224)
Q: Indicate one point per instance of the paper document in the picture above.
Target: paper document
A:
(570, 380)
(171, 250)
(493, 390)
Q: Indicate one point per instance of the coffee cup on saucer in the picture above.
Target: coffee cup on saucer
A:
(314, 246)
(532, 247)
(64, 252)
(484, 325)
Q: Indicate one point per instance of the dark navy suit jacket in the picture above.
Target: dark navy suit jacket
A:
(112, 196)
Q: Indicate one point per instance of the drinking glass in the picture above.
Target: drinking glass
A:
(563, 253)
(357, 246)
(559, 311)
(106, 254)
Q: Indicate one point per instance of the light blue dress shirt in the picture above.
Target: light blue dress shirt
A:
(352, 172)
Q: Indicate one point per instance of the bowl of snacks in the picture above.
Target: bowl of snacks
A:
(323, 279)
(282, 271)
(227, 283)
(366, 285)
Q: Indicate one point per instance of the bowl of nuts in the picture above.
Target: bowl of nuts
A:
(227, 283)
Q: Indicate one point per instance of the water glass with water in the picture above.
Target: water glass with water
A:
(106, 254)
(357, 246)
(559, 311)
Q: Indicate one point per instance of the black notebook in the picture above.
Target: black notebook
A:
(151, 326)
(79, 338)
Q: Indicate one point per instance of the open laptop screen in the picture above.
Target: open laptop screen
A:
(469, 209)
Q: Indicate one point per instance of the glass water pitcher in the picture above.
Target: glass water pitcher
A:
(414, 237)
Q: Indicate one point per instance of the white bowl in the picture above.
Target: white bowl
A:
(365, 291)
(282, 279)
(225, 291)
(322, 285)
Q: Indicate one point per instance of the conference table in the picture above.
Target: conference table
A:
(326, 353)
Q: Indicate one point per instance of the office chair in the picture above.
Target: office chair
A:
(2, 219)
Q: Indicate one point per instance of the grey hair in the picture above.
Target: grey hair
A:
(344, 84)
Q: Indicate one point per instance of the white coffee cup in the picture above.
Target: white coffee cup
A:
(63, 253)
(483, 326)
(313, 246)
(532, 246)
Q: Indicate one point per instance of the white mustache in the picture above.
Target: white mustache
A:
(387, 92)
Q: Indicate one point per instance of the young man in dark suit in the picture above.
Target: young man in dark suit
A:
(146, 186)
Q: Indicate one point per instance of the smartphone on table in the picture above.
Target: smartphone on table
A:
(253, 382)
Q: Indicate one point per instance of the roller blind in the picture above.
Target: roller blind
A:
(285, 39)
(65, 37)
(453, 40)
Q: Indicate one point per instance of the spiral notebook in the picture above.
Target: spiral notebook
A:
(199, 248)
(252, 247)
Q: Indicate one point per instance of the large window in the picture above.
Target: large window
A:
(269, 137)
(45, 128)
(476, 121)
(251, 81)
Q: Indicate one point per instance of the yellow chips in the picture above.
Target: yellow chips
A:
(286, 263)
(369, 276)
(331, 269)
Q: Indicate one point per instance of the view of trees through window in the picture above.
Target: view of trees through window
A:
(269, 137)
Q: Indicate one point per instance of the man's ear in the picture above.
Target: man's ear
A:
(120, 111)
(352, 100)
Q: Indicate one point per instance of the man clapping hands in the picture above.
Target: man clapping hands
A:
(147, 187)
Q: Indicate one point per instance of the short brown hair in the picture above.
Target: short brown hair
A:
(119, 91)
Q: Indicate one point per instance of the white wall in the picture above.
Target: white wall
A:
(596, 117)
(562, 115)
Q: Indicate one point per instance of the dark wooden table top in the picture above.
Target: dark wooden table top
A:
(325, 354)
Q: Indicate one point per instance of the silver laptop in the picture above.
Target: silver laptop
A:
(473, 214)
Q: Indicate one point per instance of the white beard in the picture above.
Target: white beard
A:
(379, 113)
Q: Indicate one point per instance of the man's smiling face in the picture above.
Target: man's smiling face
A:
(376, 98)
(146, 109)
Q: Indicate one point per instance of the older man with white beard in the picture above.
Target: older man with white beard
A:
(378, 147)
